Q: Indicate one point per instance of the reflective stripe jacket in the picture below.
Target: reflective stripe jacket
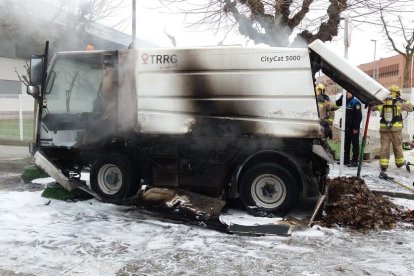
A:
(326, 108)
(390, 112)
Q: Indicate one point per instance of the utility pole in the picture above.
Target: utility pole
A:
(134, 24)
(375, 74)
(411, 71)
(367, 115)
(341, 158)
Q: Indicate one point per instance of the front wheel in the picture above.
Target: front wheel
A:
(114, 178)
(270, 187)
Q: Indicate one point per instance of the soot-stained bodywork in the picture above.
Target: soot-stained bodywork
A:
(220, 121)
(236, 91)
(213, 109)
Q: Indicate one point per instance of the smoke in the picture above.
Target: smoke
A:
(68, 25)
(271, 32)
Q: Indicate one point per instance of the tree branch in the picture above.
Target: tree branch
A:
(389, 36)
(298, 17)
(329, 28)
(245, 24)
(402, 28)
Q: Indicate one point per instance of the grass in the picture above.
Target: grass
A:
(56, 191)
(53, 191)
(10, 129)
(31, 172)
(336, 147)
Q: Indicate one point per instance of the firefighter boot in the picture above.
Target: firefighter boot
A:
(383, 175)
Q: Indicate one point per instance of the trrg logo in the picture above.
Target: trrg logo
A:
(158, 59)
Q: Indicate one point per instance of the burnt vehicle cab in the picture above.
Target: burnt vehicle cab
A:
(226, 122)
(71, 101)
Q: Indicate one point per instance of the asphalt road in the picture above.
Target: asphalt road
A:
(13, 153)
(95, 238)
(13, 159)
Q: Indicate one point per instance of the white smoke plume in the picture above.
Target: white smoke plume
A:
(66, 24)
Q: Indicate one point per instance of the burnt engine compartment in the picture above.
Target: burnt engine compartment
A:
(206, 165)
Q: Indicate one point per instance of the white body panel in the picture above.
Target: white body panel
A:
(264, 91)
(367, 89)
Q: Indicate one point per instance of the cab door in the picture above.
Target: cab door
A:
(73, 101)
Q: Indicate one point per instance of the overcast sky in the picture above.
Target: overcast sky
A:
(152, 25)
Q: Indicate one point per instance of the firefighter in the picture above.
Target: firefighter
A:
(90, 47)
(326, 110)
(391, 125)
(352, 125)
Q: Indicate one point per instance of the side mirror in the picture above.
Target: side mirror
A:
(36, 71)
(33, 91)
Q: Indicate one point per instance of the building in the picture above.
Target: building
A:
(388, 71)
(13, 58)
(331, 88)
(17, 47)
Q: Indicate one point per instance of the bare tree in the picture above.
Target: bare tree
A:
(273, 22)
(81, 14)
(64, 23)
(405, 47)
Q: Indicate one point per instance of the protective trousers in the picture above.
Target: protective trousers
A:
(395, 138)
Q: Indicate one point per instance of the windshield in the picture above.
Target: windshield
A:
(74, 84)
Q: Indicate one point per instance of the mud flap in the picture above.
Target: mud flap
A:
(53, 171)
(322, 153)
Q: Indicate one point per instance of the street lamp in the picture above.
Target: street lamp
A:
(134, 24)
(374, 74)
(341, 155)
(411, 71)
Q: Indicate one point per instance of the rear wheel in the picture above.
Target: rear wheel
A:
(270, 187)
(114, 178)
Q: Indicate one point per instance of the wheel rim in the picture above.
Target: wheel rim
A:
(268, 191)
(110, 179)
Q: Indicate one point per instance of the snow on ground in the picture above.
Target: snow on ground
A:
(43, 181)
(95, 238)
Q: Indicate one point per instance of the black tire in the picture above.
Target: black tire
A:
(114, 177)
(270, 187)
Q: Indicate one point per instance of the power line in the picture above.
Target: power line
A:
(379, 24)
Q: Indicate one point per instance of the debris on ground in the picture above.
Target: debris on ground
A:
(350, 203)
(189, 204)
(276, 229)
(205, 211)
(257, 212)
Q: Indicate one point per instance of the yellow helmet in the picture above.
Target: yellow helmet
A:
(320, 89)
(394, 90)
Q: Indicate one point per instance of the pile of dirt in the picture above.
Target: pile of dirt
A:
(352, 204)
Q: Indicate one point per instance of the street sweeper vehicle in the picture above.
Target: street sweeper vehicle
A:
(228, 122)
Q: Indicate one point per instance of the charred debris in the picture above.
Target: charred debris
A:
(351, 204)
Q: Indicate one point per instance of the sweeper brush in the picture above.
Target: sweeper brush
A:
(56, 191)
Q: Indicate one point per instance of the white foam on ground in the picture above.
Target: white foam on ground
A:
(94, 238)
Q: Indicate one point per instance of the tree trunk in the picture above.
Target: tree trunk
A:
(407, 71)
